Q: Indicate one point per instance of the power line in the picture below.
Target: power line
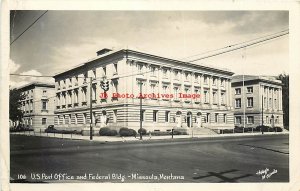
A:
(230, 46)
(28, 27)
(244, 46)
(254, 44)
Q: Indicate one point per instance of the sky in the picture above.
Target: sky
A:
(60, 40)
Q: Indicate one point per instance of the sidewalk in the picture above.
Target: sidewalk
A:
(145, 138)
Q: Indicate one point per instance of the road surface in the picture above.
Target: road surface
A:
(262, 158)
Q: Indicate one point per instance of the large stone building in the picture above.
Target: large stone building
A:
(38, 105)
(125, 70)
(261, 98)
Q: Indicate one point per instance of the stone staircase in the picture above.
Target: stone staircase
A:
(201, 131)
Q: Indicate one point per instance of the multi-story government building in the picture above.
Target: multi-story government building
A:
(38, 105)
(169, 87)
(260, 98)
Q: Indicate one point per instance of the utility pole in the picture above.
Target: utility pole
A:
(262, 114)
(91, 110)
(141, 111)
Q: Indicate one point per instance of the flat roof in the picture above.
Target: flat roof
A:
(126, 51)
(268, 79)
(38, 84)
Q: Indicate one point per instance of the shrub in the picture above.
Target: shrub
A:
(238, 129)
(105, 131)
(125, 132)
(262, 128)
(178, 133)
(160, 133)
(143, 131)
(277, 129)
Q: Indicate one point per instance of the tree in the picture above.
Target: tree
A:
(285, 98)
(15, 112)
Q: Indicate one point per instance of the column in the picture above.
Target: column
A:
(159, 77)
(219, 90)
(210, 90)
(201, 88)
(229, 94)
(228, 91)
(171, 82)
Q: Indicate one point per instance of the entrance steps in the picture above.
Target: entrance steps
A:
(201, 131)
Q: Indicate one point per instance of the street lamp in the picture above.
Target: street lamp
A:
(141, 111)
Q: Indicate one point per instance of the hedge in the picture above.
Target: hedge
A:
(105, 131)
(125, 132)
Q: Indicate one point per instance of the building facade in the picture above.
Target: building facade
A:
(260, 98)
(38, 105)
(169, 88)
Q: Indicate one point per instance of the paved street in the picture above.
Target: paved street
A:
(223, 159)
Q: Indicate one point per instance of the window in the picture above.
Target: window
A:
(155, 112)
(275, 103)
(153, 71)
(76, 96)
(267, 119)
(238, 119)
(277, 120)
(250, 102)
(143, 115)
(215, 100)
(94, 73)
(44, 105)
(224, 118)
(165, 89)
(104, 71)
(83, 95)
(76, 80)
(265, 102)
(70, 118)
(196, 78)
(237, 91)
(270, 102)
(216, 118)
(196, 93)
(206, 96)
(44, 121)
(176, 92)
(165, 72)
(152, 87)
(115, 115)
(115, 83)
(140, 68)
(116, 67)
(222, 82)
(84, 118)
(167, 116)
(205, 80)
(214, 81)
(75, 118)
(207, 119)
(238, 103)
(249, 89)
(186, 76)
(222, 98)
(250, 120)
(175, 73)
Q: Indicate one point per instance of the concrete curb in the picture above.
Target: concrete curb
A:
(145, 138)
